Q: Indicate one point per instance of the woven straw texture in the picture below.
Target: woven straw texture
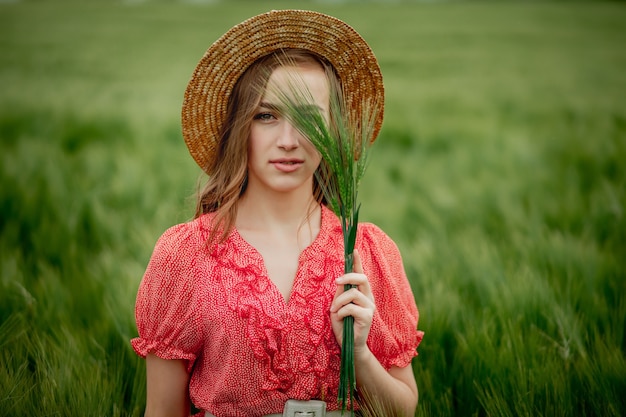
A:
(206, 97)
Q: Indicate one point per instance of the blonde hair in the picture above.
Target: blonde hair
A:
(229, 173)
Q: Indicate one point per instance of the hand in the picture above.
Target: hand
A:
(357, 302)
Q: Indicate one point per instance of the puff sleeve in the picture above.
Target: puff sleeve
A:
(167, 311)
(393, 337)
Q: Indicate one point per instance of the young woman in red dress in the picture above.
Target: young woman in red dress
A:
(240, 310)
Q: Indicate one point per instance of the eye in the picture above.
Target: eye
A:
(264, 116)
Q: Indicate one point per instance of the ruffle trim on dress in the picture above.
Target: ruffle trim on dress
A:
(270, 336)
(405, 354)
(163, 350)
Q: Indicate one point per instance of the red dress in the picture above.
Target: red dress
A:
(247, 349)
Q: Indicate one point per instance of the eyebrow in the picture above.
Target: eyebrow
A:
(269, 106)
(279, 108)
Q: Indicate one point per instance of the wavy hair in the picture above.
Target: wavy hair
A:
(228, 176)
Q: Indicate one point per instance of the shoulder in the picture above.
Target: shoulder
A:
(171, 271)
(379, 253)
(373, 237)
(182, 240)
(370, 229)
(371, 240)
(188, 234)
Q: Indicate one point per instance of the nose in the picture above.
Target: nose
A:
(289, 137)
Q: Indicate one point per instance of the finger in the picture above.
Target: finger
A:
(361, 314)
(339, 290)
(358, 266)
(352, 278)
(352, 296)
(359, 280)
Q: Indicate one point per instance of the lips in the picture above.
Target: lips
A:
(287, 164)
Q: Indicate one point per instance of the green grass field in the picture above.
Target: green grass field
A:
(500, 173)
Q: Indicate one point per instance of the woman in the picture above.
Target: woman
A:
(241, 310)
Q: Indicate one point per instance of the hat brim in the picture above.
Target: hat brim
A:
(206, 97)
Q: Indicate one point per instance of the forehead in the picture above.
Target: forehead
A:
(300, 81)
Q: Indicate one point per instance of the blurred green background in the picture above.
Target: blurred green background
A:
(499, 172)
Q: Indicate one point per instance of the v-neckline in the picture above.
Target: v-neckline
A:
(265, 273)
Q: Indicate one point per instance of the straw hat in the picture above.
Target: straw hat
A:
(206, 97)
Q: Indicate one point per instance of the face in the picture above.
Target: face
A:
(280, 159)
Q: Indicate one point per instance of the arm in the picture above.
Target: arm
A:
(396, 386)
(167, 387)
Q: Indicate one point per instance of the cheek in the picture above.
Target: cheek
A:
(253, 144)
(313, 153)
(318, 160)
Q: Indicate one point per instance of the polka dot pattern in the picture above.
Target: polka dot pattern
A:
(247, 349)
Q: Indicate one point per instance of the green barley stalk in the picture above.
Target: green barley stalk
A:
(344, 145)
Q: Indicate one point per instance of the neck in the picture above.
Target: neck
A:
(282, 210)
